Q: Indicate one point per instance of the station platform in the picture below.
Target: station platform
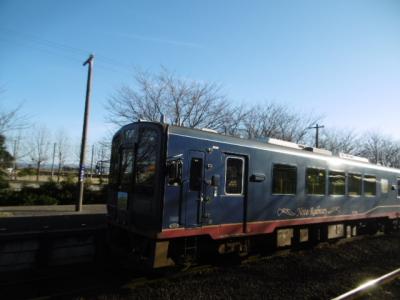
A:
(27, 219)
(39, 236)
(50, 210)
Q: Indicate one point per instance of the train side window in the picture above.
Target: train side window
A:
(315, 181)
(284, 179)
(146, 162)
(127, 166)
(129, 136)
(336, 183)
(174, 172)
(369, 185)
(234, 176)
(196, 174)
(384, 186)
(115, 161)
(354, 184)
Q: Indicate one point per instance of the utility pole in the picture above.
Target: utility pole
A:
(81, 179)
(52, 163)
(316, 127)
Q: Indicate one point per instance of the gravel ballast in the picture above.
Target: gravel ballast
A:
(321, 273)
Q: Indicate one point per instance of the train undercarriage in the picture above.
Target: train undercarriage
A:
(150, 253)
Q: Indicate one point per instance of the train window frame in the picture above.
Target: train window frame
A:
(272, 178)
(193, 185)
(329, 184)
(384, 183)
(129, 136)
(398, 186)
(115, 167)
(348, 184)
(174, 172)
(324, 183)
(226, 172)
(376, 185)
(126, 179)
(137, 172)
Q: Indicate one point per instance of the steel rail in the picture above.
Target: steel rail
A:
(368, 285)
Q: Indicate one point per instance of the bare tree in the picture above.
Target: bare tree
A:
(17, 145)
(235, 120)
(63, 145)
(39, 147)
(5, 161)
(380, 149)
(183, 102)
(101, 157)
(196, 104)
(391, 155)
(277, 121)
(345, 141)
(372, 144)
(11, 119)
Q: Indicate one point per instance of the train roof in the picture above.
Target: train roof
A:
(274, 145)
(280, 146)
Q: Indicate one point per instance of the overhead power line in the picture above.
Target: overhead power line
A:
(60, 49)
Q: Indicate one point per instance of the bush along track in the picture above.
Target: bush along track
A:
(50, 193)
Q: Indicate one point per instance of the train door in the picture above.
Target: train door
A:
(194, 196)
(233, 200)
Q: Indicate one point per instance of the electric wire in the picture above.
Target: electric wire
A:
(61, 49)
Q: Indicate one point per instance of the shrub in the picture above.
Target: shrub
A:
(95, 197)
(26, 172)
(3, 183)
(88, 181)
(45, 200)
(69, 178)
(68, 193)
(51, 193)
(7, 198)
(50, 188)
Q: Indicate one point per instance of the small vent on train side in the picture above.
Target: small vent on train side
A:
(353, 157)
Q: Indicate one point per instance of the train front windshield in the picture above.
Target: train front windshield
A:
(134, 161)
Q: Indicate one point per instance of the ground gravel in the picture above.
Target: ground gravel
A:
(321, 273)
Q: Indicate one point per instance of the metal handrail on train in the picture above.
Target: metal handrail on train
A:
(362, 288)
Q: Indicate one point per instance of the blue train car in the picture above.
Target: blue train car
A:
(178, 193)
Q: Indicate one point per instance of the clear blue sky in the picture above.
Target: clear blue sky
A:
(336, 58)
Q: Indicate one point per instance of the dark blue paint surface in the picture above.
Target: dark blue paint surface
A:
(258, 203)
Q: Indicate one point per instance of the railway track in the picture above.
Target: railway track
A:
(267, 275)
(77, 282)
(369, 285)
